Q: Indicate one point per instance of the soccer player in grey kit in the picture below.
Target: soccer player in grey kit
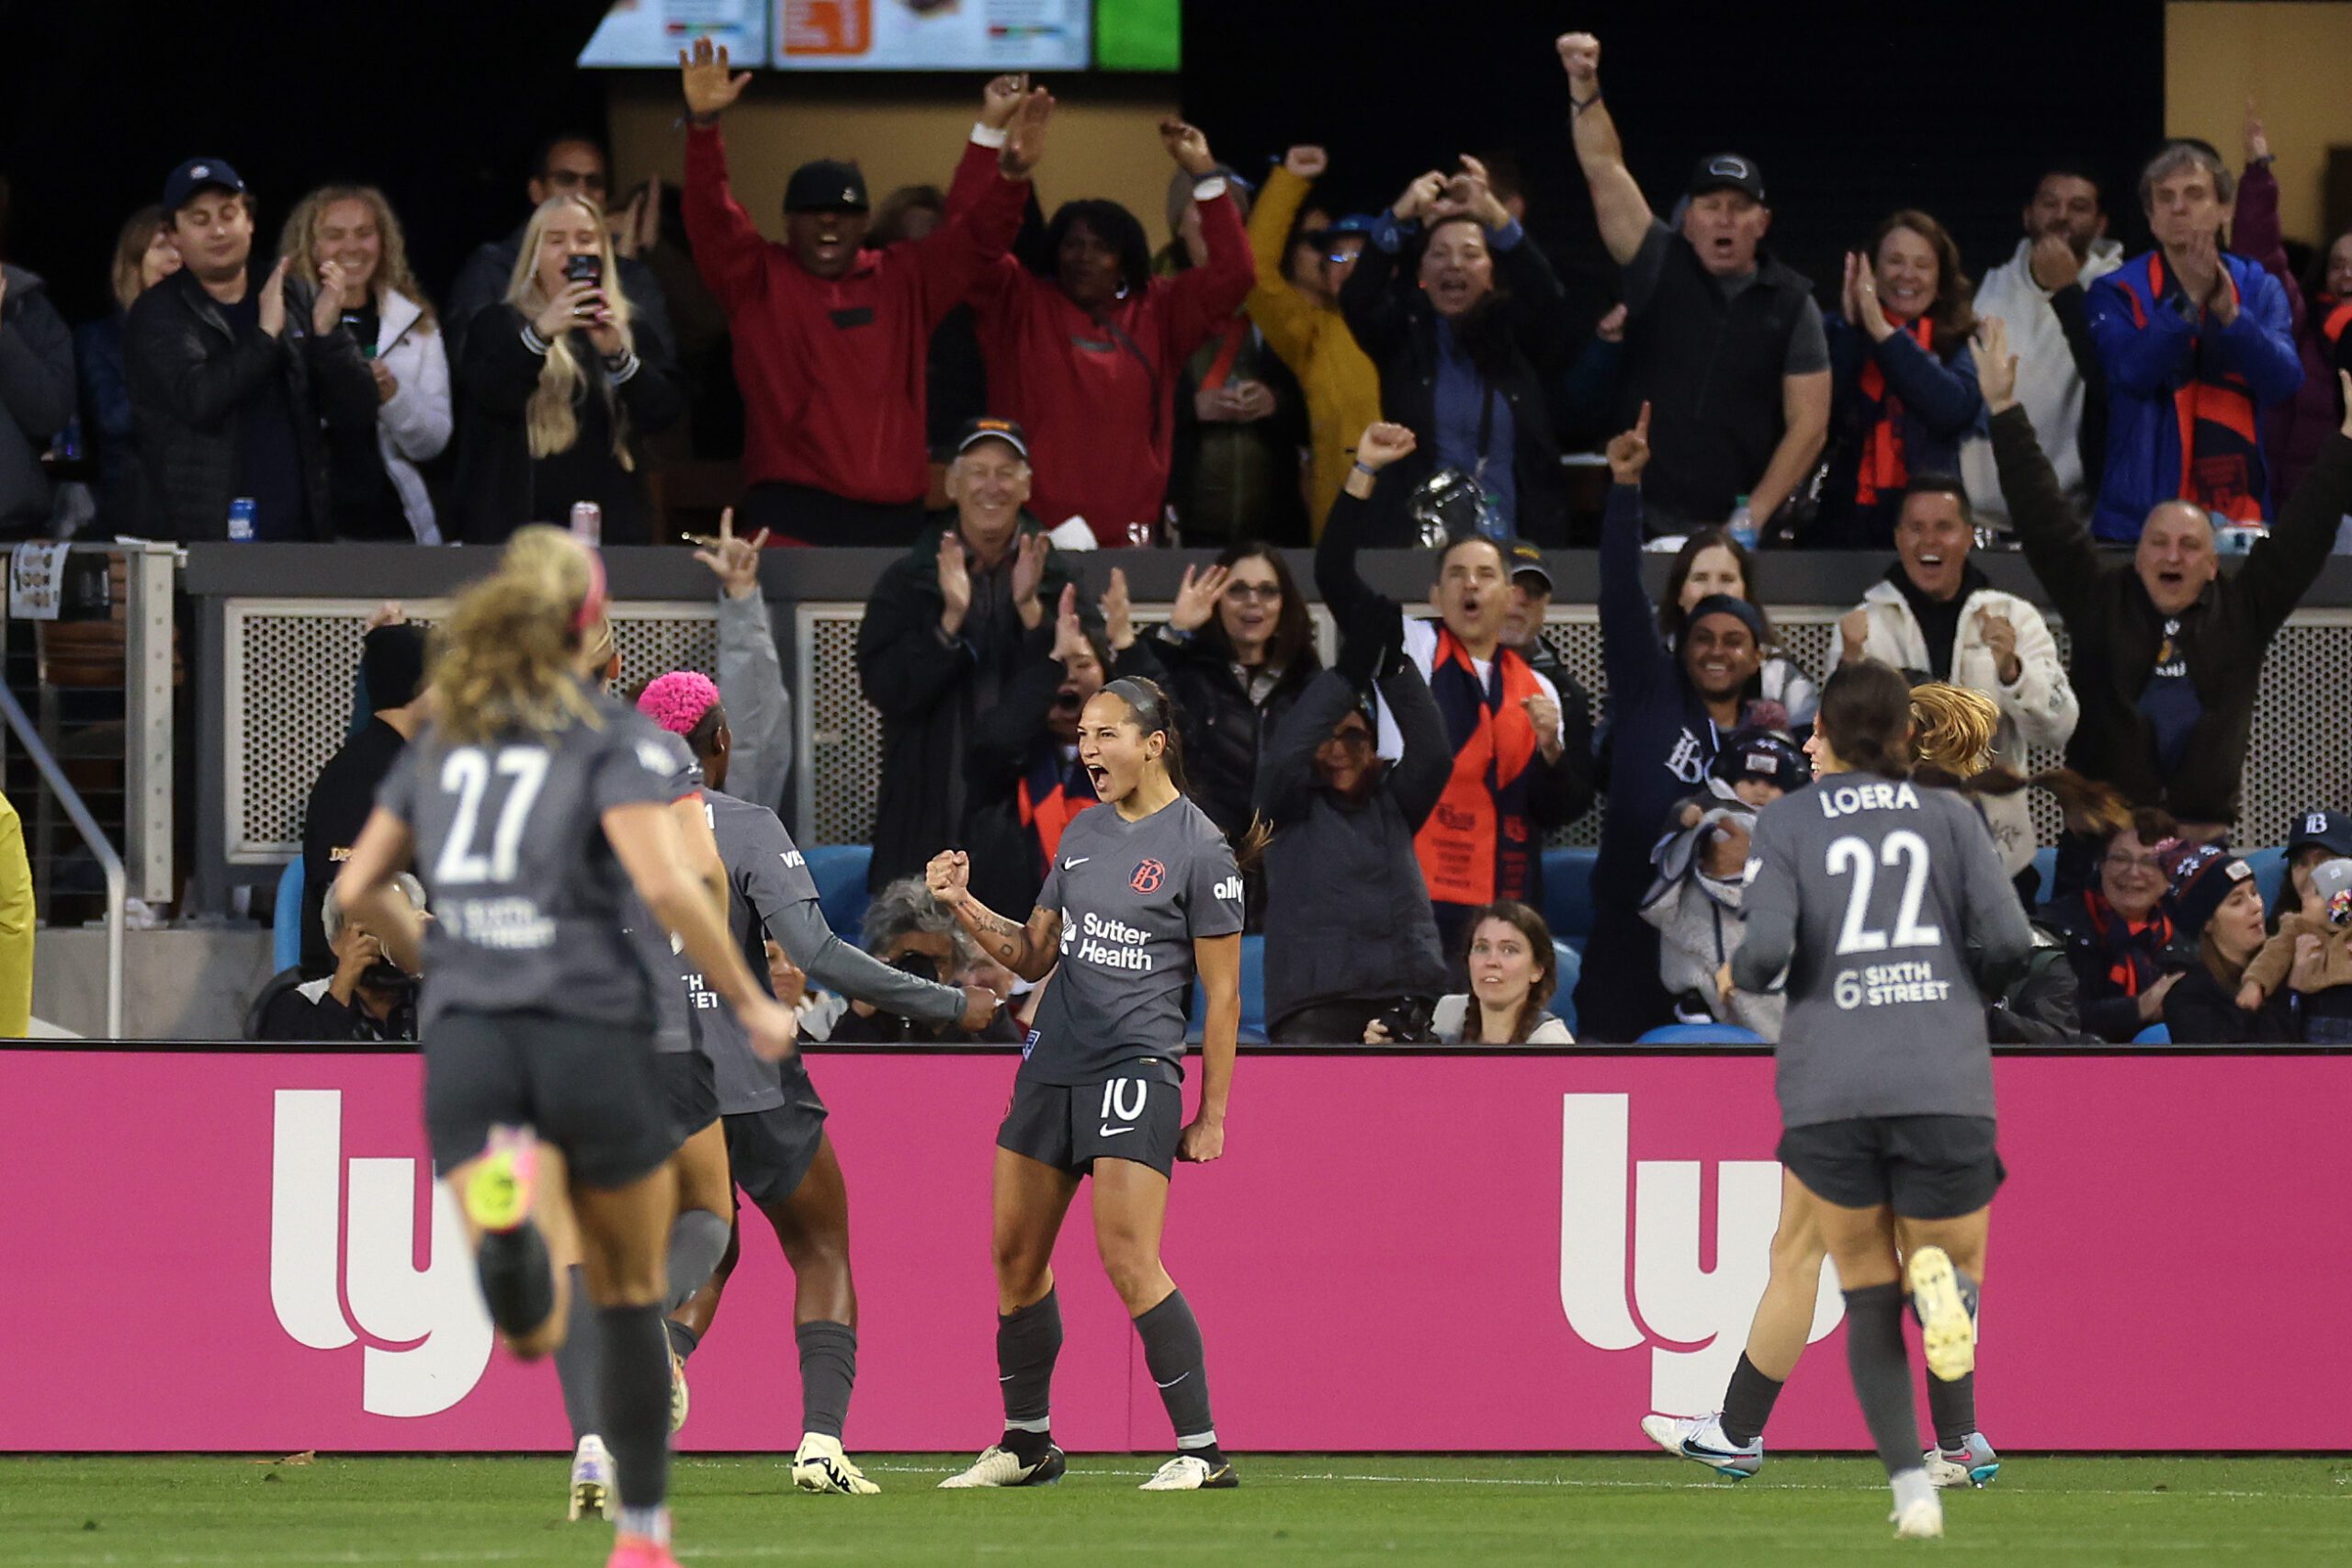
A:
(1144, 892)
(531, 804)
(1873, 893)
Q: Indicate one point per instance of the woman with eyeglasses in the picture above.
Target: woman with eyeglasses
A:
(2126, 950)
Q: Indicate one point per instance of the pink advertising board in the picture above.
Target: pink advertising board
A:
(241, 1251)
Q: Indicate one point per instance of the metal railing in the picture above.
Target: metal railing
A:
(93, 837)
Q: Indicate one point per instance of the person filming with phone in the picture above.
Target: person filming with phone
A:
(559, 381)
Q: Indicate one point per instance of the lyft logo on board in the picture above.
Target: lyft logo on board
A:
(340, 1268)
(1693, 1318)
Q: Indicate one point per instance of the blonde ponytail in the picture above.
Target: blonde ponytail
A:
(506, 658)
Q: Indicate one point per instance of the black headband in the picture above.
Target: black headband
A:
(1149, 713)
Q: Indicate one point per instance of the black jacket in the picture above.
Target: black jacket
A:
(497, 488)
(928, 693)
(2107, 1010)
(339, 801)
(191, 378)
(1348, 915)
(484, 280)
(1224, 731)
(2116, 629)
(1396, 326)
(2200, 1010)
(36, 397)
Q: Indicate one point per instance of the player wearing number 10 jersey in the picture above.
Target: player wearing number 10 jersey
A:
(1884, 899)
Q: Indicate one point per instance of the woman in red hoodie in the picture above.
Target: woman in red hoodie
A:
(1087, 355)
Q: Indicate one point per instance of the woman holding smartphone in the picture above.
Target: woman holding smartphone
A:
(560, 378)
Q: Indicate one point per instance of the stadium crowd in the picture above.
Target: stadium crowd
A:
(956, 373)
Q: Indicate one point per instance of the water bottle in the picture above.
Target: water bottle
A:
(241, 520)
(588, 524)
(1742, 526)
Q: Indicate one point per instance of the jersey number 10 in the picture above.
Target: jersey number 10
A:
(466, 773)
(1851, 856)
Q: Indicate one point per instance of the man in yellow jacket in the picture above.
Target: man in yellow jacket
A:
(1342, 387)
(15, 927)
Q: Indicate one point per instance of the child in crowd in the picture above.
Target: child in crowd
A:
(2326, 917)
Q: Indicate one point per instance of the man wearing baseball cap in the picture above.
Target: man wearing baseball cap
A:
(232, 380)
(1531, 596)
(1722, 343)
(831, 340)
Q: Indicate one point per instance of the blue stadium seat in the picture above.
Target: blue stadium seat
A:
(1570, 960)
(286, 920)
(1701, 1034)
(2270, 873)
(2154, 1034)
(1567, 894)
(1253, 995)
(2045, 871)
(839, 874)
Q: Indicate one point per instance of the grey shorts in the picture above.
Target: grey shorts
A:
(1070, 1126)
(690, 1085)
(770, 1151)
(589, 1088)
(1924, 1167)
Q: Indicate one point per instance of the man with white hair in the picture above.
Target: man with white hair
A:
(369, 996)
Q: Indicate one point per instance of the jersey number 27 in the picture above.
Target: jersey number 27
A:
(1850, 856)
(466, 773)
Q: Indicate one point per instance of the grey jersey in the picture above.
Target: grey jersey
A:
(771, 894)
(1133, 897)
(526, 893)
(674, 1032)
(1874, 894)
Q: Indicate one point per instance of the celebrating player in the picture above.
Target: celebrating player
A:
(1144, 893)
(773, 1121)
(1872, 892)
(532, 804)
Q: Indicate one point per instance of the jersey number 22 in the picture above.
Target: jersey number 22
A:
(1850, 856)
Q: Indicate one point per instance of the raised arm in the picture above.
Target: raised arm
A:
(751, 676)
(1373, 298)
(1630, 652)
(1029, 950)
(1618, 205)
(2057, 545)
(1204, 297)
(1286, 317)
(727, 245)
(992, 188)
(646, 841)
(2282, 568)
(1337, 577)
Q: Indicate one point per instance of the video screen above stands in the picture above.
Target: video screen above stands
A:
(964, 36)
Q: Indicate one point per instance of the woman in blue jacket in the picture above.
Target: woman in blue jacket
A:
(1902, 395)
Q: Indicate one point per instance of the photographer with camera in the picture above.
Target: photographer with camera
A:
(908, 929)
(369, 996)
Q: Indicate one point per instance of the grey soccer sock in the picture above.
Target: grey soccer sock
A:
(577, 1359)
(1027, 1342)
(697, 1241)
(637, 1402)
(517, 1280)
(1172, 1348)
(1747, 1402)
(684, 1341)
(1882, 1373)
(1951, 1409)
(828, 1369)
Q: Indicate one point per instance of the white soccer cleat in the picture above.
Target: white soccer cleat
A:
(678, 1398)
(1701, 1439)
(1923, 1520)
(1190, 1472)
(592, 1485)
(1974, 1463)
(821, 1467)
(999, 1466)
(1946, 1331)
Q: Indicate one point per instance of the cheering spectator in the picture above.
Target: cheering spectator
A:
(2041, 293)
(956, 378)
(1465, 343)
(1303, 325)
(1238, 648)
(366, 997)
(2196, 342)
(374, 490)
(1513, 969)
(391, 673)
(1024, 776)
(832, 339)
(234, 384)
(557, 379)
(2315, 835)
(1519, 752)
(1722, 343)
(906, 929)
(567, 164)
(1350, 937)
(2166, 654)
(1668, 707)
(1935, 616)
(1710, 561)
(2295, 430)
(946, 630)
(1902, 395)
(1236, 470)
(1087, 356)
(36, 396)
(144, 256)
(2126, 952)
(751, 676)
(2216, 904)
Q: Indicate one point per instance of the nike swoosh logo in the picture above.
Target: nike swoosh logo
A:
(1171, 1383)
(1107, 1130)
(1008, 1377)
(1073, 864)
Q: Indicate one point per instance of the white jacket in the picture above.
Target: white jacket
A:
(2048, 384)
(2040, 710)
(414, 426)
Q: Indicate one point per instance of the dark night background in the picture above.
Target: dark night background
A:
(1852, 110)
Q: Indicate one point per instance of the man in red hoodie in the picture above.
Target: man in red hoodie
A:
(830, 338)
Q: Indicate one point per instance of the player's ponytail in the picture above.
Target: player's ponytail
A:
(1866, 717)
(1151, 712)
(505, 659)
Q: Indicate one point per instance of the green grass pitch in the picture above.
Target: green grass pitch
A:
(131, 1513)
